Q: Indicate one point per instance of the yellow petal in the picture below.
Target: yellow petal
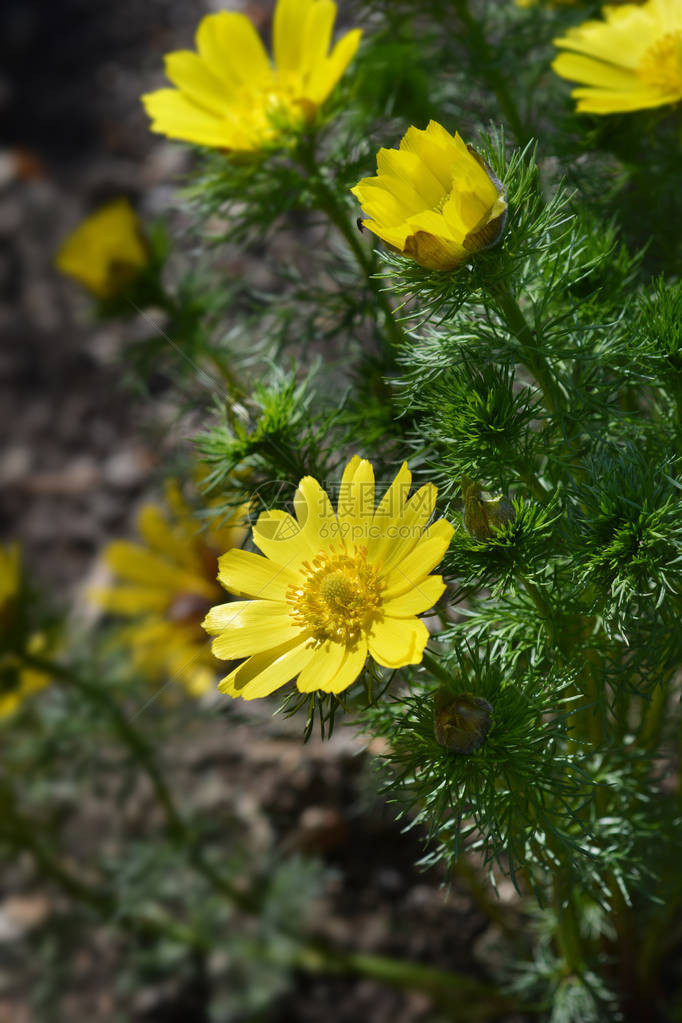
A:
(195, 79)
(589, 71)
(315, 514)
(280, 538)
(409, 527)
(378, 202)
(250, 575)
(256, 626)
(603, 101)
(323, 78)
(261, 674)
(394, 642)
(421, 561)
(356, 503)
(390, 510)
(621, 39)
(132, 561)
(409, 180)
(417, 600)
(243, 612)
(131, 600)
(326, 661)
(232, 49)
(317, 34)
(435, 253)
(287, 33)
(350, 668)
(178, 117)
(177, 544)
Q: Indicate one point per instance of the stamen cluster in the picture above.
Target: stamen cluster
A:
(339, 598)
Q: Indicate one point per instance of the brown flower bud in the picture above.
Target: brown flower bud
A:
(482, 512)
(461, 722)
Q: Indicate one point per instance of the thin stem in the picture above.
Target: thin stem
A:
(178, 827)
(432, 664)
(486, 62)
(475, 999)
(543, 606)
(328, 202)
(530, 356)
(134, 740)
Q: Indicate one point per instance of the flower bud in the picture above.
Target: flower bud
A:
(482, 512)
(462, 722)
(435, 200)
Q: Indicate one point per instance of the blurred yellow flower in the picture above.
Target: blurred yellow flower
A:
(433, 199)
(332, 587)
(167, 583)
(106, 251)
(17, 681)
(632, 60)
(10, 572)
(230, 96)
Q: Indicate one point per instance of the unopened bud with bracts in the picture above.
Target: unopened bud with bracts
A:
(461, 722)
(482, 512)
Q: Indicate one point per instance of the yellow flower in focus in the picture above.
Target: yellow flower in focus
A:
(106, 251)
(433, 199)
(167, 583)
(17, 681)
(230, 96)
(632, 60)
(332, 587)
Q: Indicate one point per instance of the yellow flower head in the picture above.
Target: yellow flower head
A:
(332, 587)
(167, 583)
(230, 96)
(106, 251)
(17, 681)
(632, 60)
(433, 199)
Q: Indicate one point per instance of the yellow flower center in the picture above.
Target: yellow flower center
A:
(661, 65)
(339, 597)
(275, 106)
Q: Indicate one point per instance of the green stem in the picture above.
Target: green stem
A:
(432, 664)
(178, 828)
(98, 694)
(475, 999)
(486, 62)
(335, 209)
(531, 357)
(543, 606)
(567, 932)
(654, 716)
(179, 318)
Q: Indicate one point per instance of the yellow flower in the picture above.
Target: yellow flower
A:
(332, 587)
(16, 680)
(632, 60)
(230, 96)
(167, 583)
(106, 251)
(433, 199)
